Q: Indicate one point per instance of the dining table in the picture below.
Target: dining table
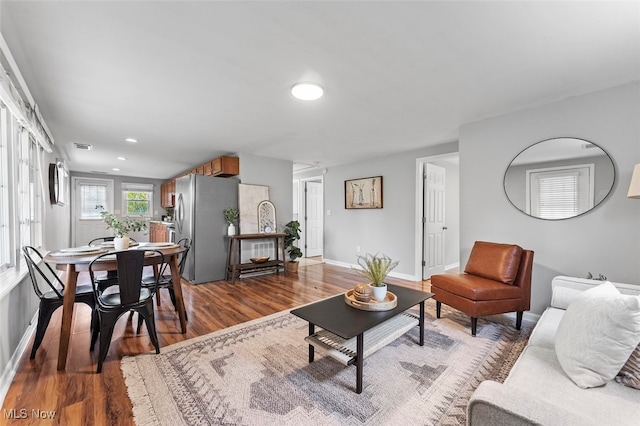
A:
(72, 262)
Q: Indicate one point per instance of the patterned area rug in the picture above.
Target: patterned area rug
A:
(257, 373)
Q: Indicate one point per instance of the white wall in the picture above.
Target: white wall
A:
(605, 240)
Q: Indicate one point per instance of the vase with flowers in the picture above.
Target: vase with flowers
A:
(121, 227)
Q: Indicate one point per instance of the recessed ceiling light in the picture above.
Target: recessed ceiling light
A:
(307, 91)
(121, 158)
(115, 169)
(132, 140)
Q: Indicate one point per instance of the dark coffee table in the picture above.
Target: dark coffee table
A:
(336, 317)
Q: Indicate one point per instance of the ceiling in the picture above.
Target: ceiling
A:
(193, 80)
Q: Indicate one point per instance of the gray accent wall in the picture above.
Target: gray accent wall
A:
(277, 175)
(605, 240)
(117, 190)
(390, 230)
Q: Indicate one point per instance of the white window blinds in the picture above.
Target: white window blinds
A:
(560, 193)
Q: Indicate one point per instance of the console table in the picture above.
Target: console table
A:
(235, 267)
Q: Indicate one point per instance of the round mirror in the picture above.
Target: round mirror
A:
(559, 178)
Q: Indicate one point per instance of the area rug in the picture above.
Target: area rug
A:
(257, 373)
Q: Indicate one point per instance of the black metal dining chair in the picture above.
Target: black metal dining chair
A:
(52, 295)
(165, 279)
(110, 277)
(129, 296)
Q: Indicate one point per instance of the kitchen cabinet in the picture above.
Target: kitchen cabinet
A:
(167, 193)
(225, 166)
(158, 232)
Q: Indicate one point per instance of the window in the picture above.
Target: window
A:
(22, 192)
(137, 199)
(560, 192)
(93, 199)
(5, 258)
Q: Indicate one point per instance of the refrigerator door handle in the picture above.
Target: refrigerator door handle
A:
(179, 213)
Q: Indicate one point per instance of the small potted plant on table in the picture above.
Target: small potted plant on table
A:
(375, 268)
(292, 234)
(230, 216)
(121, 228)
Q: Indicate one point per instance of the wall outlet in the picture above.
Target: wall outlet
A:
(328, 212)
(357, 249)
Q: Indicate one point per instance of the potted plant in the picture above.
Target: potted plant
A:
(230, 216)
(375, 268)
(121, 228)
(292, 234)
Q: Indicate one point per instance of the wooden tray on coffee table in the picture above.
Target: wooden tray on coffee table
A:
(390, 301)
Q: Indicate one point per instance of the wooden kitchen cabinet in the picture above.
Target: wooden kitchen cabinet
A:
(158, 232)
(167, 193)
(225, 166)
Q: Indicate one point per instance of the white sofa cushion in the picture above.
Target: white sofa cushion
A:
(539, 373)
(544, 333)
(596, 335)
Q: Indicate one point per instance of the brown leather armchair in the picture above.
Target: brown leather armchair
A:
(496, 280)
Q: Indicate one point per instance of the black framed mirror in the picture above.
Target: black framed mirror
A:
(54, 184)
(559, 178)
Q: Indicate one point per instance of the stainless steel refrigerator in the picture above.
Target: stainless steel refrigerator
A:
(200, 201)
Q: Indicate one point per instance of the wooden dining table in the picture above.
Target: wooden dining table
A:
(73, 264)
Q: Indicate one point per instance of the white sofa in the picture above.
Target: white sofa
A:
(537, 390)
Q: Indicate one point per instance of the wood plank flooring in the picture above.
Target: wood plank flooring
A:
(79, 396)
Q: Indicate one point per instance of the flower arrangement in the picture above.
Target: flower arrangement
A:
(375, 268)
(122, 227)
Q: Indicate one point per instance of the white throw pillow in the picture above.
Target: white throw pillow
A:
(597, 334)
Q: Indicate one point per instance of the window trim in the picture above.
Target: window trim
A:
(584, 204)
(136, 187)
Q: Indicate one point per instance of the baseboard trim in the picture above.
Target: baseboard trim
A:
(400, 275)
(12, 367)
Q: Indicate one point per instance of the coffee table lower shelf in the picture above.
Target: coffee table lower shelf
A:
(345, 351)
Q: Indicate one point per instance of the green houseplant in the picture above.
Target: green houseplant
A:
(231, 214)
(375, 268)
(122, 227)
(292, 234)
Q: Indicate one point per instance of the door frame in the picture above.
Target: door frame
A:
(75, 202)
(419, 197)
(302, 208)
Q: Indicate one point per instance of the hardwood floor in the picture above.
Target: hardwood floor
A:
(79, 396)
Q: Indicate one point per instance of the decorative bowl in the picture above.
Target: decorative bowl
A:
(363, 292)
(261, 259)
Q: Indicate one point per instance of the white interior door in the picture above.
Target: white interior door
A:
(433, 221)
(90, 196)
(313, 225)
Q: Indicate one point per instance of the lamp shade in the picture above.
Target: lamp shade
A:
(634, 187)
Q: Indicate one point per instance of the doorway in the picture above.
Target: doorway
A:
(437, 214)
(309, 198)
(90, 197)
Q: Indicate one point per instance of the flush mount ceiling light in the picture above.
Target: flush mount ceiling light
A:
(132, 140)
(307, 91)
(115, 169)
(121, 158)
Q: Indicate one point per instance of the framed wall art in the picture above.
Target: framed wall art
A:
(363, 193)
(249, 196)
(266, 217)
